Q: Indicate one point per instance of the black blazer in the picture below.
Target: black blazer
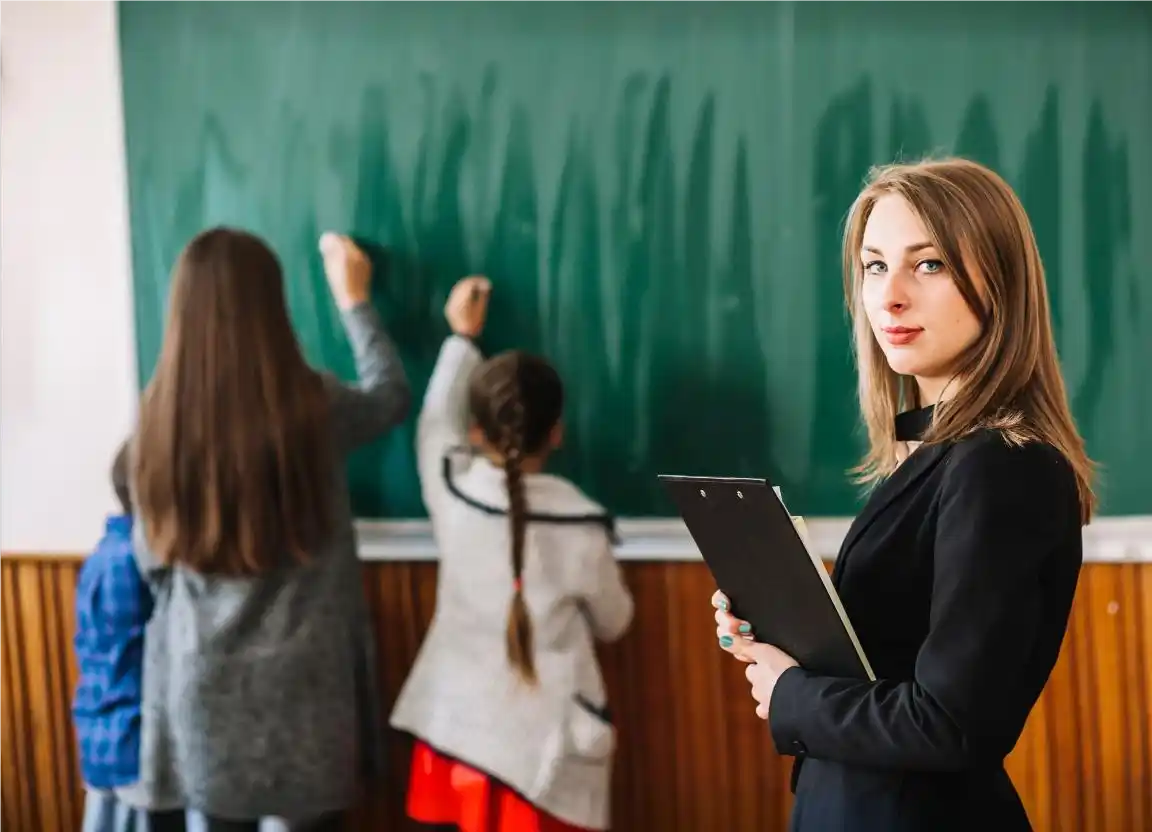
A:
(958, 577)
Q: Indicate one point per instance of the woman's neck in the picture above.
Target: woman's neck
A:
(932, 391)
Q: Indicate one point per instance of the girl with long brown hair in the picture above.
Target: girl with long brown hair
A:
(258, 674)
(506, 700)
(958, 575)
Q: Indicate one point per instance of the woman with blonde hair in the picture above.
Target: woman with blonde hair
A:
(959, 573)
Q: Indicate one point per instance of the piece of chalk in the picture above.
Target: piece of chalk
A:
(480, 287)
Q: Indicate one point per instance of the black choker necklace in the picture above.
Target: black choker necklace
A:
(911, 425)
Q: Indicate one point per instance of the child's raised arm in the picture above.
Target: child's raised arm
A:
(381, 399)
(443, 422)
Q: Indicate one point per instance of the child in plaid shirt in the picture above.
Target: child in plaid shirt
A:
(113, 605)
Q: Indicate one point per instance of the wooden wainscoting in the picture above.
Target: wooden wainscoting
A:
(693, 755)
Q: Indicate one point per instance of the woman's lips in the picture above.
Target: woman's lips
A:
(899, 336)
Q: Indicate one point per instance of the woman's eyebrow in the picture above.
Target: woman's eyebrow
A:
(912, 249)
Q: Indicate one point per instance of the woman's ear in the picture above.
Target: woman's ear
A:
(556, 437)
(475, 436)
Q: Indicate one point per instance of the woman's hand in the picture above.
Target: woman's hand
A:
(467, 307)
(766, 663)
(348, 270)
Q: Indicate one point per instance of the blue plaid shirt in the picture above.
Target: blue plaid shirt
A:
(113, 605)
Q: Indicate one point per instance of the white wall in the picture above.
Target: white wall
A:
(67, 378)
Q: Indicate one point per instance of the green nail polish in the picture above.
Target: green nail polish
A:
(745, 627)
(725, 641)
(724, 606)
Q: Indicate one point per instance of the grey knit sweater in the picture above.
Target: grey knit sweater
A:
(260, 695)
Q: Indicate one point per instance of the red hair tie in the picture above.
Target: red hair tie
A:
(516, 584)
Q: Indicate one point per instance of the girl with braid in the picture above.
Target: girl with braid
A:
(506, 701)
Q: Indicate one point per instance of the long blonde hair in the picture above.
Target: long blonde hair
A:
(978, 226)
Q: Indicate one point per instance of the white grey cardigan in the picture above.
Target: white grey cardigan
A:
(462, 696)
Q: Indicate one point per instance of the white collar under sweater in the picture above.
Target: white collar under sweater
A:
(479, 482)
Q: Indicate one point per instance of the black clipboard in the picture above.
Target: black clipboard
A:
(759, 560)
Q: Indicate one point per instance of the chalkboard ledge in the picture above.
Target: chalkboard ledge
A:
(1107, 540)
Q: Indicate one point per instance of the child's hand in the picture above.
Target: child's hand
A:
(348, 270)
(467, 306)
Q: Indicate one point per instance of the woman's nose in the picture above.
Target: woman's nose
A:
(895, 295)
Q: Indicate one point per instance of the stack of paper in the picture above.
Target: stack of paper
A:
(797, 521)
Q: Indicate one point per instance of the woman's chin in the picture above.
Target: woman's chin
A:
(906, 365)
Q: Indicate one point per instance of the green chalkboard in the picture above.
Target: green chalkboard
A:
(656, 190)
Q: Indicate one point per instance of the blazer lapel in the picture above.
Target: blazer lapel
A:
(922, 460)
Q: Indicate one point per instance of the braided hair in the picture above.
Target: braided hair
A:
(516, 400)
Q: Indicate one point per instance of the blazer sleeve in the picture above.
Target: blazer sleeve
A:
(1008, 518)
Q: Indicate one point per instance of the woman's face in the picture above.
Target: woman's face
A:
(917, 314)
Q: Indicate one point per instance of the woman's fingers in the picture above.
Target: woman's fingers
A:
(730, 638)
(731, 632)
(731, 624)
(728, 624)
(736, 645)
(734, 629)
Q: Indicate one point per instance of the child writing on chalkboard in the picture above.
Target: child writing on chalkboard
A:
(506, 699)
(259, 688)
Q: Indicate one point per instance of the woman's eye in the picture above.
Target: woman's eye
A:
(931, 266)
(875, 267)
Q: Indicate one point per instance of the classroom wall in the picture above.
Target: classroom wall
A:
(66, 338)
(67, 398)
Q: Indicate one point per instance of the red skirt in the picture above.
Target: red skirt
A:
(446, 792)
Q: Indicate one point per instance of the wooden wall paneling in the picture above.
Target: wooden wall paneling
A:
(1105, 666)
(1114, 669)
(1044, 771)
(39, 677)
(1057, 800)
(640, 681)
(693, 756)
(403, 599)
(18, 770)
(1135, 624)
(58, 593)
(696, 706)
(16, 691)
(1140, 638)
